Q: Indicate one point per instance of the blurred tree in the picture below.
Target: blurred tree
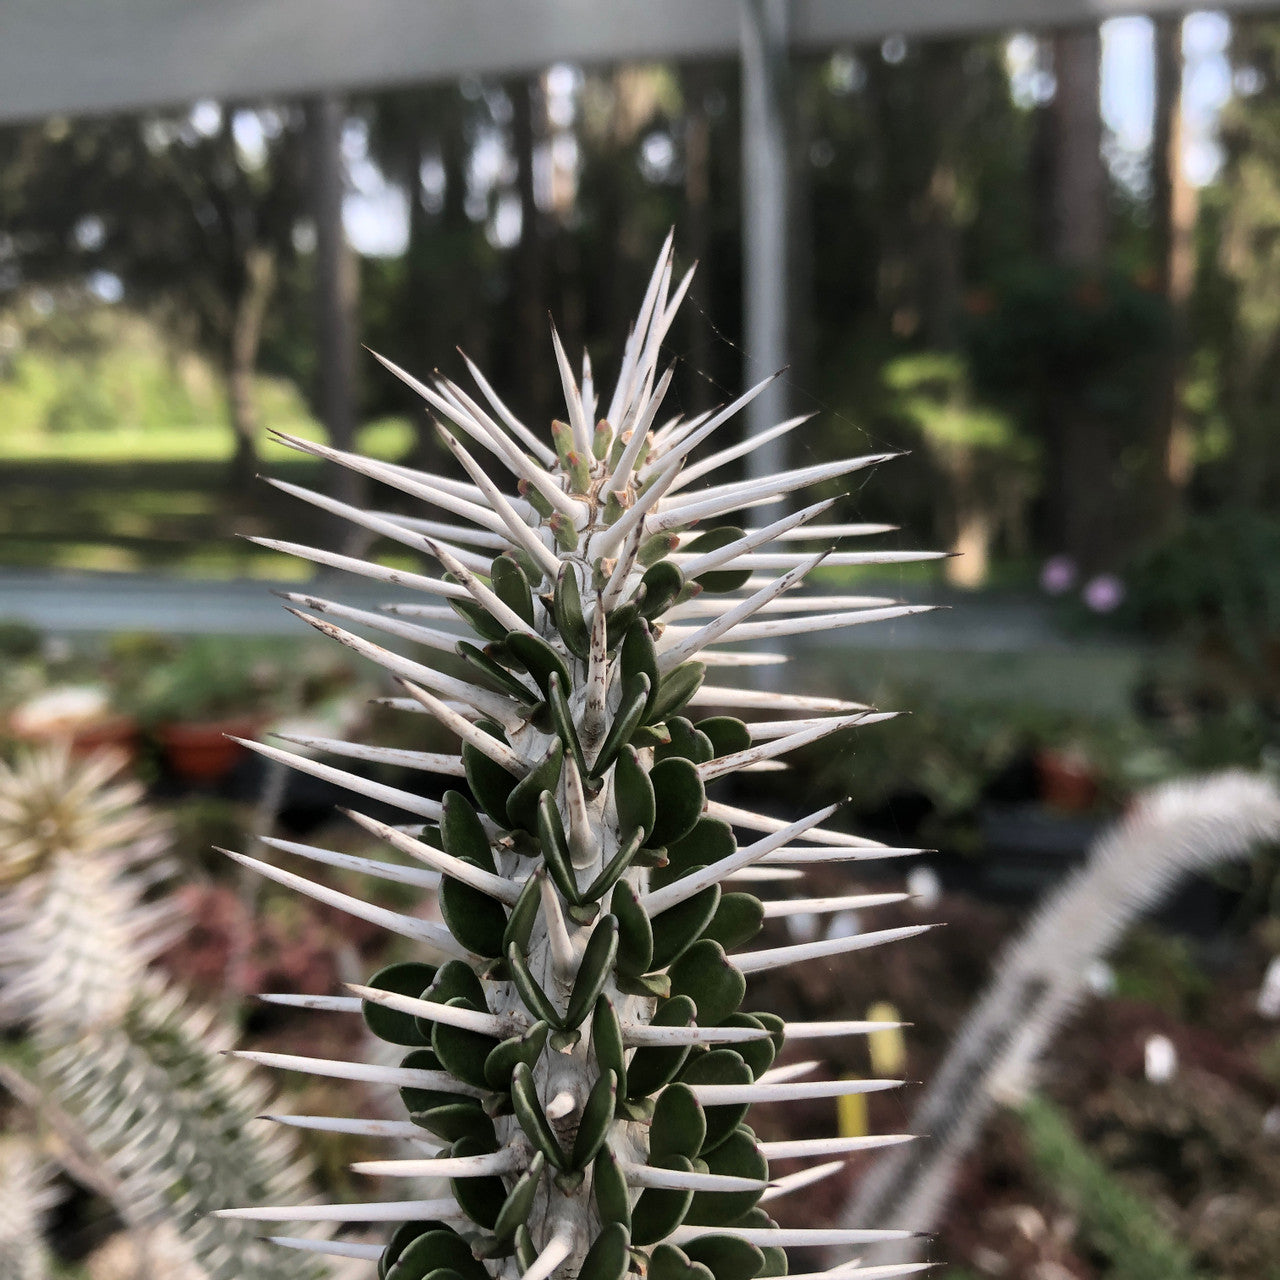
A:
(190, 214)
(1238, 308)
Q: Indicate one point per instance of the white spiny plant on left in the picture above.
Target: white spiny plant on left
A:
(26, 1196)
(113, 1046)
(577, 1063)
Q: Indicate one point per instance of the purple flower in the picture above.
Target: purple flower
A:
(1058, 575)
(1104, 593)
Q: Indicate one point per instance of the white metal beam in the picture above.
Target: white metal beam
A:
(79, 56)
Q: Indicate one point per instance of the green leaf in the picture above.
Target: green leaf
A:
(678, 686)
(613, 1201)
(555, 848)
(679, 1126)
(406, 979)
(462, 833)
(401, 1238)
(662, 583)
(621, 620)
(635, 933)
(457, 980)
(496, 675)
(502, 1059)
(531, 1118)
(463, 1053)
(727, 734)
(685, 741)
(522, 804)
(523, 914)
(727, 1257)
(416, 1099)
(535, 999)
(476, 920)
(757, 1054)
(656, 547)
(593, 971)
(775, 1257)
(670, 1263)
(613, 869)
(607, 1258)
(453, 1120)
(639, 656)
(677, 928)
(738, 918)
(481, 1199)
(511, 586)
(635, 693)
(710, 841)
(517, 1206)
(652, 1066)
(659, 1211)
(680, 800)
(571, 622)
(719, 1066)
(706, 975)
(720, 580)
(597, 1117)
(655, 986)
(478, 619)
(739, 1157)
(539, 659)
(632, 794)
(606, 1042)
(775, 1025)
(490, 783)
(437, 1250)
(562, 722)
(526, 1253)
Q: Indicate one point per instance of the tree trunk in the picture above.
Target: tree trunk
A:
(1176, 206)
(257, 283)
(1081, 496)
(337, 289)
(531, 299)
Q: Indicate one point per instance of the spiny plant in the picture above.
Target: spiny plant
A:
(1041, 978)
(28, 1196)
(113, 1046)
(577, 1062)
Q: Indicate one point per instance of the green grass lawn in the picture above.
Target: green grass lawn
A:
(387, 438)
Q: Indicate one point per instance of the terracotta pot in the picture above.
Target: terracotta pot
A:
(200, 751)
(1068, 780)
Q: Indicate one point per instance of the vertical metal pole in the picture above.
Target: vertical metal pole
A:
(336, 288)
(765, 183)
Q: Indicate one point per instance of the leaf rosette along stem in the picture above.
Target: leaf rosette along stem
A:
(577, 1063)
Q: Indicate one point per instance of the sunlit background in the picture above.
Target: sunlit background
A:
(1044, 264)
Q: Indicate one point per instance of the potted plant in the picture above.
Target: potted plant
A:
(191, 703)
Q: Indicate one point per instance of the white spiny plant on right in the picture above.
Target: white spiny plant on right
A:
(115, 1048)
(577, 1064)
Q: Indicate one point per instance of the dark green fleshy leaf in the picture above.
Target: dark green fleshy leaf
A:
(635, 932)
(659, 1211)
(706, 975)
(719, 1066)
(677, 928)
(652, 1066)
(679, 1126)
(738, 1156)
(406, 979)
(738, 918)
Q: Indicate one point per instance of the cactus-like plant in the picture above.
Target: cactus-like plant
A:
(113, 1047)
(577, 1062)
(28, 1196)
